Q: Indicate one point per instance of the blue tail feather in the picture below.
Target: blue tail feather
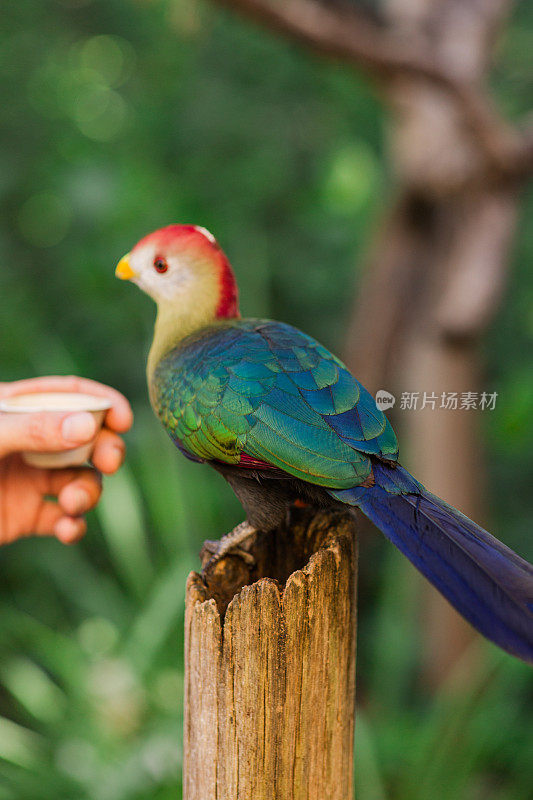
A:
(489, 584)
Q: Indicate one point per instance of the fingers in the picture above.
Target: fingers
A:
(45, 431)
(119, 418)
(81, 494)
(77, 491)
(70, 530)
(49, 516)
(108, 453)
(53, 522)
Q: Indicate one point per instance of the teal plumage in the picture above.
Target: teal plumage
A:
(283, 420)
(266, 390)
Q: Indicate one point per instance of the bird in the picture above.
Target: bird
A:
(284, 421)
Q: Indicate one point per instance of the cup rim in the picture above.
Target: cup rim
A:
(94, 402)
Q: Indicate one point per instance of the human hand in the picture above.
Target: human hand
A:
(25, 507)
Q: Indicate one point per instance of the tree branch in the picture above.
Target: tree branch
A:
(346, 33)
(355, 36)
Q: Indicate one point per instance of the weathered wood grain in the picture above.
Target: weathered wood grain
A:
(270, 684)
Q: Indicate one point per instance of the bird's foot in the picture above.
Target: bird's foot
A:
(213, 551)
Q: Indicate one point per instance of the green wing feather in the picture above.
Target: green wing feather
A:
(267, 390)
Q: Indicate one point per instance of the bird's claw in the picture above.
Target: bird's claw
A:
(211, 562)
(216, 557)
(212, 548)
(212, 551)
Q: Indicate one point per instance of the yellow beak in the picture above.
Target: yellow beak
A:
(123, 270)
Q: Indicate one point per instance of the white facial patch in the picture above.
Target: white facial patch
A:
(159, 285)
(209, 236)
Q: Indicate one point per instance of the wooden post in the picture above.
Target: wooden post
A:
(270, 668)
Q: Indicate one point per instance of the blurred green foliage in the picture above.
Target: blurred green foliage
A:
(122, 116)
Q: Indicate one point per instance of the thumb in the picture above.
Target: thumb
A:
(45, 431)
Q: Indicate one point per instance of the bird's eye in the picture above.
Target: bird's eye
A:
(160, 264)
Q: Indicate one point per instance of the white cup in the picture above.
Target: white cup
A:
(34, 402)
